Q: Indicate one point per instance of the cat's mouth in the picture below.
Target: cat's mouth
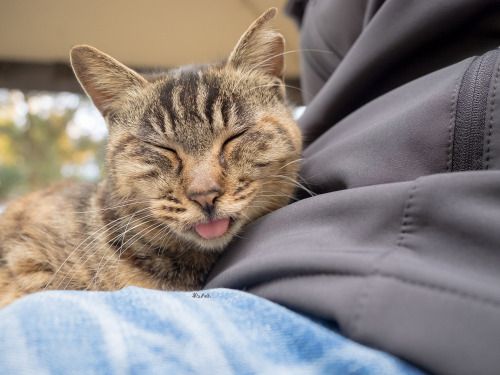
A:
(213, 228)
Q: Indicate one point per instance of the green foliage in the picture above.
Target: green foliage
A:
(10, 180)
(36, 150)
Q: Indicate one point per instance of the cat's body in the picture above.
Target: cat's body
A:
(193, 155)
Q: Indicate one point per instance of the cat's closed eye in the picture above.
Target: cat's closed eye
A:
(222, 159)
(163, 148)
(233, 137)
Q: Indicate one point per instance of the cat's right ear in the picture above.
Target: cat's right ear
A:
(260, 48)
(106, 81)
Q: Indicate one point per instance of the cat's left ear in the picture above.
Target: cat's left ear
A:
(260, 48)
(106, 81)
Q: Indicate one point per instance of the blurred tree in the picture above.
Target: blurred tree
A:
(34, 154)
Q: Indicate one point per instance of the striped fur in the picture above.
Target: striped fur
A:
(219, 129)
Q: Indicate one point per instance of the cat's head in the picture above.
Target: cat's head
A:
(203, 150)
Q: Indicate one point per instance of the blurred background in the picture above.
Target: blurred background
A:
(48, 129)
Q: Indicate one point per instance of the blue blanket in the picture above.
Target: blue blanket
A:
(140, 331)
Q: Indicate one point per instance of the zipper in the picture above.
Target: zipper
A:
(470, 119)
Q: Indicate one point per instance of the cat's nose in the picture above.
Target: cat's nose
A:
(206, 199)
(203, 187)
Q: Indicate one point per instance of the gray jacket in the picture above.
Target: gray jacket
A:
(401, 245)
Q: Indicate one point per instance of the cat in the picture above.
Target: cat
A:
(193, 155)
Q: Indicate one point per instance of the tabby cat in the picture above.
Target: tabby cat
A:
(193, 155)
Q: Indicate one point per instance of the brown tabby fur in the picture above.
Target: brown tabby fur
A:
(220, 131)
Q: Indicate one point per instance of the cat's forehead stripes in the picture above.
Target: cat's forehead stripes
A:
(179, 96)
(212, 91)
(167, 102)
(191, 108)
(220, 100)
(153, 120)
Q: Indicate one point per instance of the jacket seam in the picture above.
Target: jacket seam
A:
(366, 292)
(490, 125)
(421, 284)
(406, 220)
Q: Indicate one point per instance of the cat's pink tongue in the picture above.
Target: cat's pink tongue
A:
(212, 229)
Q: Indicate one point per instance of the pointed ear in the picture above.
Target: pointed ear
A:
(106, 81)
(260, 48)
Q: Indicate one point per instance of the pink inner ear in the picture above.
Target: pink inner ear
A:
(260, 48)
(277, 63)
(106, 80)
(100, 99)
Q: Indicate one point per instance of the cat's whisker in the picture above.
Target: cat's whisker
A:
(282, 195)
(284, 85)
(122, 235)
(179, 256)
(116, 221)
(274, 56)
(95, 252)
(296, 183)
(305, 181)
(117, 224)
(125, 231)
(238, 213)
(292, 162)
(281, 173)
(122, 251)
(81, 266)
(256, 206)
(288, 197)
(100, 268)
(119, 254)
(151, 228)
(246, 217)
(166, 240)
(272, 184)
(269, 202)
(161, 249)
(113, 207)
(120, 201)
(240, 236)
(166, 233)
